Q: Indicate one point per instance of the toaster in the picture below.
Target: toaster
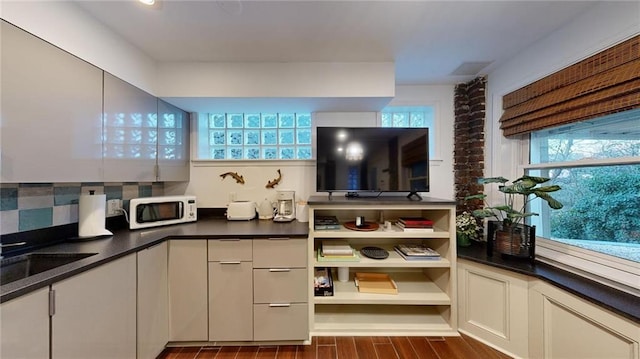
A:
(241, 211)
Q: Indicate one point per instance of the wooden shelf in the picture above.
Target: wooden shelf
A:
(425, 302)
(381, 320)
(414, 288)
(393, 261)
(380, 232)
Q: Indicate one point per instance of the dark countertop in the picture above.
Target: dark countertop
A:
(622, 303)
(125, 241)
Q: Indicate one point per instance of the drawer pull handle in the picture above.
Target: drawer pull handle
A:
(278, 238)
(278, 305)
(230, 262)
(279, 270)
(229, 239)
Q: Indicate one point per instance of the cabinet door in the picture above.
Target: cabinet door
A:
(230, 301)
(51, 111)
(153, 301)
(188, 306)
(173, 143)
(95, 313)
(130, 132)
(24, 324)
(492, 304)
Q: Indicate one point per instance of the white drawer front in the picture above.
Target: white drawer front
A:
(221, 250)
(280, 253)
(280, 322)
(280, 285)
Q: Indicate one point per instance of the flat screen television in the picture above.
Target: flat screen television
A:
(367, 161)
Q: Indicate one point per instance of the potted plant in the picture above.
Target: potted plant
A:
(509, 232)
(466, 229)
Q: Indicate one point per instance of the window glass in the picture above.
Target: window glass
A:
(597, 165)
(255, 136)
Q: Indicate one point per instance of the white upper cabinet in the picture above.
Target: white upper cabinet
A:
(130, 132)
(173, 143)
(50, 122)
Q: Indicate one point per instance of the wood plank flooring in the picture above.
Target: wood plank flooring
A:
(463, 347)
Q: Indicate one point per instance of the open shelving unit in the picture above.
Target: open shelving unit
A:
(426, 300)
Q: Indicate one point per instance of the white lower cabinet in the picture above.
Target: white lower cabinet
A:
(188, 306)
(280, 289)
(258, 290)
(526, 317)
(24, 326)
(492, 306)
(230, 290)
(562, 325)
(95, 313)
(153, 301)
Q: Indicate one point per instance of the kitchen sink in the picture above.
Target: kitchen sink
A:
(23, 266)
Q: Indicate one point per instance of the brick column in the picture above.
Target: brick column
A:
(469, 109)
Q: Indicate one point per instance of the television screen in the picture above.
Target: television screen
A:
(372, 159)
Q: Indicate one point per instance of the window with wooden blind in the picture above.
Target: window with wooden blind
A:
(603, 84)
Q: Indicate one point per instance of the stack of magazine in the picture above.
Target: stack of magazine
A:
(337, 251)
(415, 224)
(416, 252)
(326, 223)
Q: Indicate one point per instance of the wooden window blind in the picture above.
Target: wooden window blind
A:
(602, 84)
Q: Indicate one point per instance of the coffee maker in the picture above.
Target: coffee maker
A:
(285, 206)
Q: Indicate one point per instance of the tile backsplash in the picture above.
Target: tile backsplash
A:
(29, 206)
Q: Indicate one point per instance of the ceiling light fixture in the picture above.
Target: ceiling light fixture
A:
(148, 2)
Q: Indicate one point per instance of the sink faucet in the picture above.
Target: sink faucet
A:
(12, 244)
(2, 245)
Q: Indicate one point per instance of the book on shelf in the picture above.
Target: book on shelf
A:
(326, 222)
(354, 257)
(336, 247)
(415, 221)
(375, 283)
(424, 229)
(415, 258)
(416, 250)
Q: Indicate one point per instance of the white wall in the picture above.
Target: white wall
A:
(603, 26)
(213, 191)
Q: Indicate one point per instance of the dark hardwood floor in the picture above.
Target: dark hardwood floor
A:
(462, 347)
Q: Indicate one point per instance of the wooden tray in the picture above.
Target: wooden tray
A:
(375, 283)
(368, 226)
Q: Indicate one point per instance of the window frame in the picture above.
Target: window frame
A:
(618, 273)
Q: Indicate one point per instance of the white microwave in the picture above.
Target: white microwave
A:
(161, 211)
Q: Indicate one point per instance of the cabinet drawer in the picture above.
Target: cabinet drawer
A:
(279, 285)
(280, 253)
(280, 322)
(221, 250)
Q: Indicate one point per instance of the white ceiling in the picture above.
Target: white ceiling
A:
(427, 40)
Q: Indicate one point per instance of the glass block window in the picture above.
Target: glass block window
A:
(412, 116)
(255, 136)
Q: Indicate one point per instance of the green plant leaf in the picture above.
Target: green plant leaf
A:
(483, 213)
(492, 180)
(535, 179)
(475, 196)
(553, 203)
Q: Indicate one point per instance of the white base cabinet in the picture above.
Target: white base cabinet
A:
(564, 326)
(95, 313)
(188, 306)
(230, 290)
(492, 306)
(24, 326)
(526, 317)
(425, 302)
(153, 301)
